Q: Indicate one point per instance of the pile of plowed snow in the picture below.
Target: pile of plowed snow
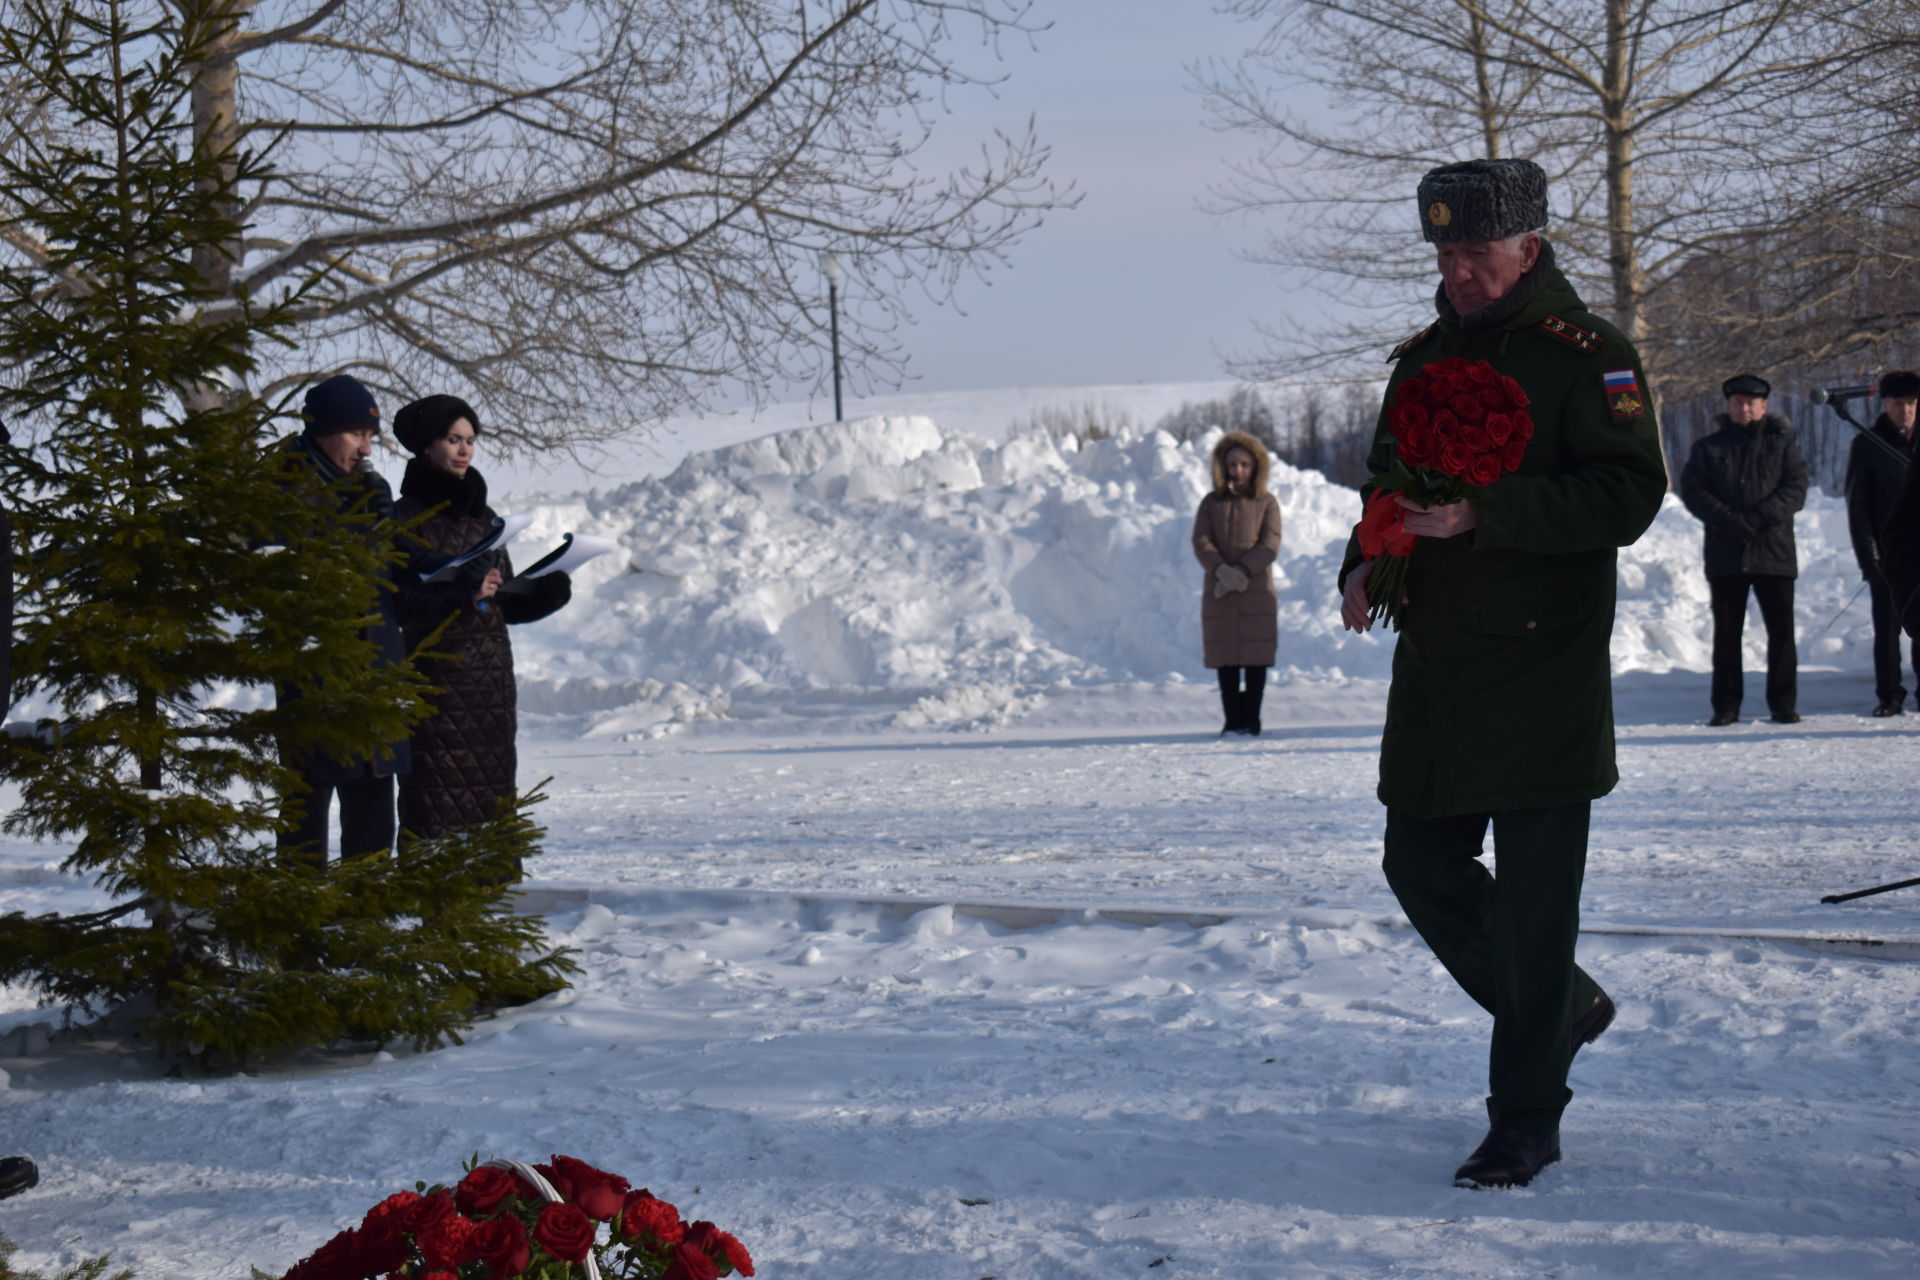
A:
(889, 563)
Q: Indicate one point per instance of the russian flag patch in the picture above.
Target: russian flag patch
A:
(1622, 387)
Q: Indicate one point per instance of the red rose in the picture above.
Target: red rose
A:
(1482, 373)
(1412, 391)
(484, 1190)
(337, 1259)
(1403, 418)
(1474, 437)
(1511, 454)
(1416, 447)
(1483, 470)
(643, 1214)
(689, 1263)
(379, 1247)
(720, 1246)
(443, 1275)
(1499, 429)
(502, 1244)
(426, 1211)
(564, 1231)
(1446, 427)
(1516, 394)
(598, 1193)
(1522, 427)
(450, 1242)
(1467, 407)
(392, 1207)
(1454, 459)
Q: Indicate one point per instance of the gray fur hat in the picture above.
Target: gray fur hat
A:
(1482, 200)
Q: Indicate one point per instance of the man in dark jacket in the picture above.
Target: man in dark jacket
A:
(1501, 709)
(1876, 470)
(1744, 482)
(341, 422)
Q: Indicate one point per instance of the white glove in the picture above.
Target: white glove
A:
(1229, 578)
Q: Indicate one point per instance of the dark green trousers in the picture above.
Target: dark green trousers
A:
(1507, 939)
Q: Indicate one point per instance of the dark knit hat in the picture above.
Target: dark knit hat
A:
(1482, 200)
(339, 404)
(1746, 384)
(421, 423)
(1899, 384)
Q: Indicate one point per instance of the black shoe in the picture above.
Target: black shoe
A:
(17, 1174)
(1507, 1157)
(1891, 707)
(1723, 718)
(1785, 717)
(1589, 1026)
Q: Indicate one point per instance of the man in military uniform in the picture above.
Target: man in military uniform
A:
(1877, 468)
(1501, 709)
(1745, 482)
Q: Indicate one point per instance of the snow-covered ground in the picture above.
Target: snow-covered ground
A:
(929, 931)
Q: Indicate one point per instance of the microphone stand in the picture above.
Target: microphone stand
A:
(1839, 405)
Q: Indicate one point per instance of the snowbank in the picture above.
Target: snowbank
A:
(962, 580)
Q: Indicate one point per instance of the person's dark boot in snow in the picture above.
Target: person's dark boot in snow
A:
(17, 1174)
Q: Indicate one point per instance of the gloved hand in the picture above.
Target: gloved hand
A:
(1229, 578)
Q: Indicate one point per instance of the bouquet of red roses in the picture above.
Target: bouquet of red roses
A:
(543, 1222)
(1457, 426)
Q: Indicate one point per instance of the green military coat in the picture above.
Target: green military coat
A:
(1502, 694)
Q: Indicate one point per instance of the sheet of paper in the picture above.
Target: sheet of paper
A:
(505, 529)
(574, 550)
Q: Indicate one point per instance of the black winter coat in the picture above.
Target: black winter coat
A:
(320, 769)
(1745, 483)
(464, 759)
(1874, 480)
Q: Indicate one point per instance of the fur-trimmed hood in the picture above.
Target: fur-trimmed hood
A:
(1262, 464)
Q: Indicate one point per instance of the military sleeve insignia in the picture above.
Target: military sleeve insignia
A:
(1571, 334)
(1624, 401)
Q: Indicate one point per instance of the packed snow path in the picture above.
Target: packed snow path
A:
(860, 1092)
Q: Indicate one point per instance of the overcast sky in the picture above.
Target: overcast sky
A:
(1137, 284)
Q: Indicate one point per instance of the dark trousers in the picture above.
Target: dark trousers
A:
(1774, 594)
(366, 820)
(1507, 940)
(1886, 645)
(1242, 704)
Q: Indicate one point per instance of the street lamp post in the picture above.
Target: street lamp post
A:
(830, 266)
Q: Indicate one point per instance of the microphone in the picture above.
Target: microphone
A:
(1834, 395)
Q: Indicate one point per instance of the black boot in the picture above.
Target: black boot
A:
(1232, 701)
(1507, 1157)
(1596, 1019)
(1250, 701)
(17, 1174)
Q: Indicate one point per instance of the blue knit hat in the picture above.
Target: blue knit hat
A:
(339, 404)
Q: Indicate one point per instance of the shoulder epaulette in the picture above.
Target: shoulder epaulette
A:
(1572, 334)
(1393, 357)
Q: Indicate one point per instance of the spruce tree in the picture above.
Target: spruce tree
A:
(174, 570)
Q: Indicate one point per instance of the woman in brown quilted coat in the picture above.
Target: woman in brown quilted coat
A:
(1236, 536)
(463, 757)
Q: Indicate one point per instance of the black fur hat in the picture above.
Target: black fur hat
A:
(1482, 200)
(1746, 384)
(421, 423)
(1899, 383)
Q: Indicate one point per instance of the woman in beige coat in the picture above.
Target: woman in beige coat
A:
(1236, 537)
